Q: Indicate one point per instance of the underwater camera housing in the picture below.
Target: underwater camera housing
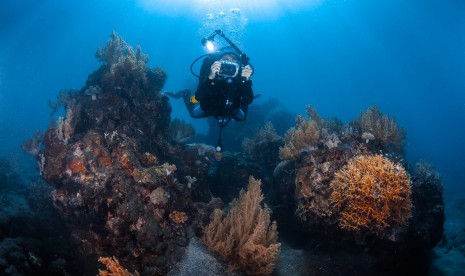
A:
(228, 69)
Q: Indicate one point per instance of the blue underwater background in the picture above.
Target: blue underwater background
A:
(341, 57)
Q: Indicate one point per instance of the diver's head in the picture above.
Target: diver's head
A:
(229, 56)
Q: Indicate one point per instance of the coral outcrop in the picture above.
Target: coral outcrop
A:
(371, 194)
(114, 167)
(349, 183)
(245, 237)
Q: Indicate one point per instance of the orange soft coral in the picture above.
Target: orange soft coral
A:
(245, 237)
(114, 268)
(370, 194)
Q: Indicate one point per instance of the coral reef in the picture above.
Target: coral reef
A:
(371, 194)
(126, 184)
(304, 195)
(245, 237)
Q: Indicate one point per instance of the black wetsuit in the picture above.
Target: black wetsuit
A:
(220, 97)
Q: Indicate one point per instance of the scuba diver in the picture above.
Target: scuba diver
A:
(224, 90)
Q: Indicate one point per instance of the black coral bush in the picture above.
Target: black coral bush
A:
(245, 237)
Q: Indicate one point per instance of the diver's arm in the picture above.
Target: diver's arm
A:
(246, 85)
(246, 92)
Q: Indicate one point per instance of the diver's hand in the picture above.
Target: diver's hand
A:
(169, 94)
(247, 72)
(214, 69)
(176, 95)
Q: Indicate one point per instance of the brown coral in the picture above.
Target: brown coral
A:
(370, 194)
(124, 65)
(383, 128)
(303, 137)
(118, 51)
(245, 237)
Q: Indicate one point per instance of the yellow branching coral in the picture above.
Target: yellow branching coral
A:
(304, 136)
(383, 128)
(114, 268)
(245, 237)
(178, 217)
(370, 194)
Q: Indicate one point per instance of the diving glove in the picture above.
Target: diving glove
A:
(178, 94)
(214, 69)
(247, 72)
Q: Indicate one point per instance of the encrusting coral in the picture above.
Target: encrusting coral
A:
(245, 237)
(370, 194)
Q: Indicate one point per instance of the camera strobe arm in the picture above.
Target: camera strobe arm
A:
(244, 58)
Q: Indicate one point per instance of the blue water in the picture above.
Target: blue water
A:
(406, 57)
